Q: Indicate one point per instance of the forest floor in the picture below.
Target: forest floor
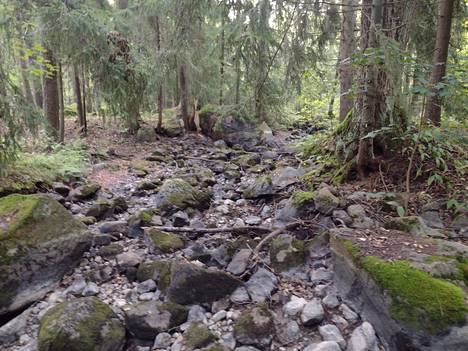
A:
(241, 197)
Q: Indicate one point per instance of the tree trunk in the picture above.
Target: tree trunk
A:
(157, 29)
(51, 96)
(122, 4)
(369, 101)
(221, 55)
(345, 69)
(38, 95)
(61, 106)
(26, 85)
(85, 120)
(444, 23)
(79, 100)
(184, 98)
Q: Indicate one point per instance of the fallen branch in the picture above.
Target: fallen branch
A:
(274, 233)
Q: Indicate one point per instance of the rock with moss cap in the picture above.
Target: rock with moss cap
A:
(40, 242)
(84, 324)
(192, 284)
(325, 202)
(164, 242)
(255, 327)
(84, 192)
(286, 252)
(146, 319)
(159, 271)
(262, 187)
(406, 305)
(178, 194)
(413, 225)
(197, 336)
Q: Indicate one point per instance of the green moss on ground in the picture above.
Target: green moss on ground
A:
(418, 300)
(166, 242)
(16, 212)
(198, 335)
(302, 198)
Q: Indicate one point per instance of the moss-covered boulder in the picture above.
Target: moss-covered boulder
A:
(191, 284)
(255, 327)
(85, 324)
(99, 210)
(413, 225)
(146, 319)
(262, 187)
(287, 252)
(247, 160)
(325, 201)
(40, 241)
(409, 308)
(178, 194)
(84, 192)
(159, 271)
(146, 135)
(197, 336)
(164, 242)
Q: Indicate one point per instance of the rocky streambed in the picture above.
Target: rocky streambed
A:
(172, 257)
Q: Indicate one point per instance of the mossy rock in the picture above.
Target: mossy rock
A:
(100, 209)
(301, 199)
(146, 319)
(413, 225)
(287, 252)
(215, 347)
(84, 192)
(325, 202)
(39, 242)
(142, 218)
(178, 194)
(159, 271)
(84, 324)
(247, 160)
(191, 284)
(146, 185)
(165, 242)
(198, 335)
(112, 249)
(255, 327)
(262, 187)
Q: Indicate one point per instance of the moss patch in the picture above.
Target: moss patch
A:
(16, 212)
(198, 335)
(303, 198)
(166, 242)
(159, 271)
(418, 300)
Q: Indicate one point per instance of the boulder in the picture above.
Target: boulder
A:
(324, 346)
(40, 242)
(255, 327)
(286, 252)
(312, 313)
(159, 271)
(84, 192)
(262, 187)
(178, 194)
(413, 225)
(84, 324)
(284, 177)
(261, 284)
(147, 135)
(164, 242)
(197, 336)
(192, 284)
(147, 319)
(325, 201)
(100, 210)
(363, 338)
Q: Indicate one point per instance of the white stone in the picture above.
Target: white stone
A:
(294, 306)
(330, 332)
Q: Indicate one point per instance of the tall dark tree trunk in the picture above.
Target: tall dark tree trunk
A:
(184, 98)
(444, 24)
(38, 94)
(346, 49)
(61, 105)
(79, 100)
(51, 96)
(26, 85)
(221, 54)
(85, 119)
(157, 29)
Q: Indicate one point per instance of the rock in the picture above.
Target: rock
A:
(162, 341)
(261, 284)
(253, 220)
(158, 271)
(146, 185)
(325, 202)
(40, 242)
(255, 327)
(196, 313)
(88, 220)
(219, 316)
(359, 217)
(413, 225)
(363, 338)
(312, 313)
(91, 289)
(111, 250)
(220, 144)
(288, 333)
(286, 252)
(262, 187)
(84, 192)
(348, 313)
(77, 287)
(100, 210)
(284, 177)
(114, 227)
(331, 301)
(146, 135)
(146, 319)
(330, 332)
(142, 218)
(321, 275)
(246, 348)
(128, 259)
(323, 346)
(11, 331)
(247, 160)
(164, 242)
(61, 189)
(193, 284)
(294, 306)
(84, 324)
(240, 296)
(197, 336)
(178, 194)
(180, 219)
(342, 216)
(239, 262)
(146, 286)
(460, 222)
(432, 219)
(288, 212)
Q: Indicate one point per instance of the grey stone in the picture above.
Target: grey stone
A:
(323, 346)
(432, 219)
(91, 289)
(288, 333)
(219, 316)
(342, 216)
(162, 341)
(253, 220)
(312, 313)
(255, 327)
(331, 301)
(325, 202)
(294, 306)
(128, 259)
(321, 275)
(239, 262)
(180, 219)
(114, 227)
(330, 332)
(146, 286)
(77, 287)
(363, 338)
(261, 284)
(11, 331)
(240, 296)
(196, 313)
(348, 313)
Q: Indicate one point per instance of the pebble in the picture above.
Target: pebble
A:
(219, 316)
(331, 301)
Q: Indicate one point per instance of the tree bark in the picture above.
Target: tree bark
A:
(61, 106)
(444, 24)
(38, 94)
(345, 69)
(79, 100)
(221, 55)
(157, 29)
(51, 96)
(184, 99)
(85, 120)
(26, 85)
